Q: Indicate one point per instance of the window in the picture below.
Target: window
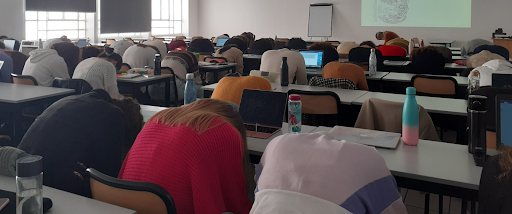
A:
(46, 25)
(166, 17)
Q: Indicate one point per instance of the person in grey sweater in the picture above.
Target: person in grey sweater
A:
(469, 47)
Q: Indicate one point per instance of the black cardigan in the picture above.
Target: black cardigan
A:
(84, 128)
(495, 195)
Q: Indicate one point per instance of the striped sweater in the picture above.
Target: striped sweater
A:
(351, 176)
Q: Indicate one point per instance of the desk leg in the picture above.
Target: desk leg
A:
(168, 93)
(427, 203)
(441, 204)
(17, 119)
(215, 76)
(464, 207)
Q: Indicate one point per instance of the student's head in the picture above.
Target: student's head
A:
(90, 51)
(201, 46)
(70, 53)
(133, 120)
(2, 45)
(379, 35)
(226, 35)
(330, 54)
(179, 44)
(245, 39)
(271, 41)
(428, 59)
(259, 47)
(296, 44)
(250, 36)
(48, 43)
(112, 57)
(238, 42)
(368, 43)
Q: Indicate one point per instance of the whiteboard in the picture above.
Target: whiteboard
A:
(320, 20)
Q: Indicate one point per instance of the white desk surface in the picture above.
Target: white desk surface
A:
(454, 49)
(16, 93)
(437, 162)
(431, 104)
(378, 76)
(148, 111)
(257, 145)
(65, 202)
(406, 77)
(442, 42)
(141, 79)
(211, 66)
(456, 53)
(252, 56)
(458, 58)
(394, 63)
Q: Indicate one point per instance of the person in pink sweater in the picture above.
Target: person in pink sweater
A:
(198, 153)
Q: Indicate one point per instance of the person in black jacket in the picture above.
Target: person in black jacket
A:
(91, 129)
(495, 193)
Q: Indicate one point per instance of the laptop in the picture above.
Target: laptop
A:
(9, 44)
(221, 42)
(313, 59)
(81, 43)
(501, 80)
(1, 64)
(503, 119)
(262, 112)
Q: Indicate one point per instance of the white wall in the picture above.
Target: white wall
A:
(11, 19)
(289, 18)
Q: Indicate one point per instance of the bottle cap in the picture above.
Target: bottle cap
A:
(410, 91)
(190, 76)
(157, 54)
(285, 58)
(29, 166)
(294, 97)
(373, 49)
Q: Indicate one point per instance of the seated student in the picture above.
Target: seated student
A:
(296, 44)
(220, 36)
(344, 49)
(249, 36)
(178, 45)
(89, 51)
(502, 51)
(271, 62)
(370, 44)
(48, 43)
(138, 56)
(469, 47)
(239, 41)
(201, 46)
(315, 173)
(233, 53)
(427, 60)
(70, 53)
(182, 63)
(447, 53)
(91, 129)
(352, 72)
(199, 156)
(494, 66)
(100, 74)
(330, 54)
(393, 50)
(162, 48)
(45, 65)
(114, 58)
(7, 68)
(18, 60)
(271, 41)
(259, 47)
(495, 184)
(121, 46)
(480, 58)
(386, 36)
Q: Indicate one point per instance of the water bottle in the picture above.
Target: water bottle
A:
(29, 185)
(373, 63)
(410, 118)
(284, 72)
(477, 139)
(88, 41)
(474, 81)
(411, 46)
(190, 89)
(158, 64)
(294, 114)
(422, 44)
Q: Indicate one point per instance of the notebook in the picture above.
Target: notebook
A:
(221, 41)
(367, 137)
(503, 119)
(313, 59)
(262, 112)
(501, 80)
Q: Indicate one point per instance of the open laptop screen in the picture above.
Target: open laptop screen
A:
(81, 43)
(504, 115)
(313, 59)
(501, 80)
(9, 44)
(221, 41)
(263, 107)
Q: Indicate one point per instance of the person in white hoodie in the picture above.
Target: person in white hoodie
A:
(162, 47)
(48, 43)
(100, 74)
(45, 65)
(494, 66)
(120, 46)
(138, 56)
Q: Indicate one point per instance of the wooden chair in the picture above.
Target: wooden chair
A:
(125, 67)
(23, 79)
(110, 41)
(320, 108)
(143, 197)
(435, 86)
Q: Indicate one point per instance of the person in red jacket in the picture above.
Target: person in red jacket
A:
(198, 153)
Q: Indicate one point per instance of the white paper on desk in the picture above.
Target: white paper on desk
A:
(366, 136)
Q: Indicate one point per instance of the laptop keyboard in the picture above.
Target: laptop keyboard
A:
(262, 129)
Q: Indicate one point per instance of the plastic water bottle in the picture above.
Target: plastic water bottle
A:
(422, 44)
(29, 185)
(373, 63)
(410, 118)
(158, 65)
(190, 90)
(284, 72)
(411, 46)
(474, 81)
(88, 41)
(294, 114)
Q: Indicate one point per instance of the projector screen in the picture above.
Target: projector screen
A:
(416, 13)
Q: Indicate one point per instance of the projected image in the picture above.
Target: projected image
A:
(390, 11)
(416, 13)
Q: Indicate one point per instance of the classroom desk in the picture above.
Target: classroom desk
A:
(65, 202)
(320, 72)
(205, 67)
(257, 146)
(454, 49)
(15, 97)
(456, 53)
(395, 63)
(446, 43)
(141, 81)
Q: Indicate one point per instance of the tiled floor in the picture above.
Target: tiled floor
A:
(415, 201)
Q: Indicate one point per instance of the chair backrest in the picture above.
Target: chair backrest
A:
(319, 108)
(110, 41)
(23, 79)
(18, 60)
(143, 197)
(81, 86)
(435, 86)
(332, 83)
(125, 67)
